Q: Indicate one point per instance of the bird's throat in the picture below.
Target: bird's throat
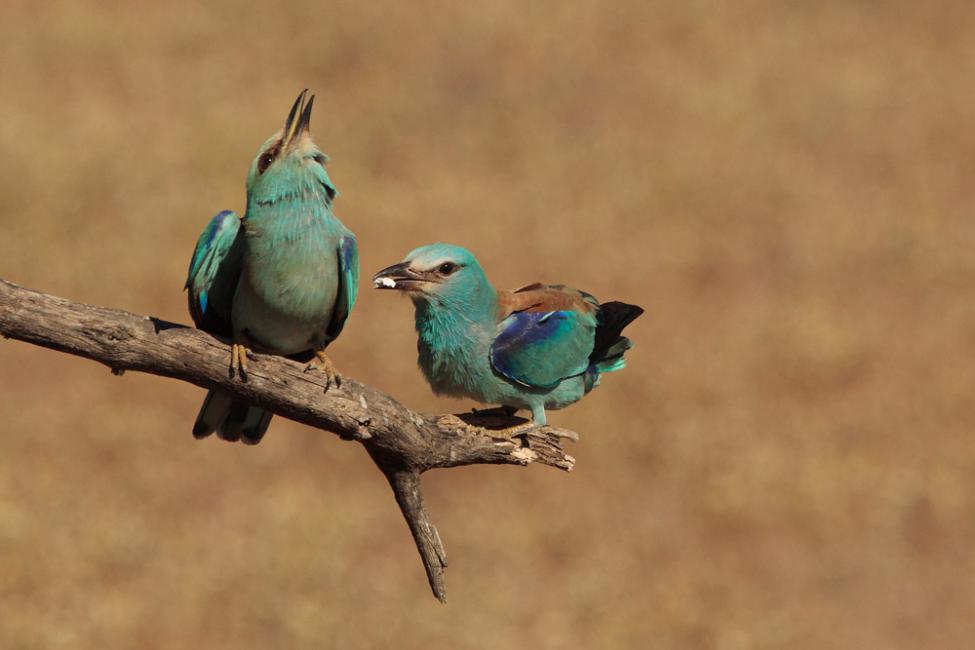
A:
(453, 344)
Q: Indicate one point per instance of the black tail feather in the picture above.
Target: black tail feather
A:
(612, 319)
(255, 426)
(230, 428)
(212, 413)
(232, 419)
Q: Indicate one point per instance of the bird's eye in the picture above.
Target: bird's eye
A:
(265, 162)
(447, 268)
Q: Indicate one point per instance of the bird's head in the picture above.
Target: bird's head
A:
(439, 273)
(289, 164)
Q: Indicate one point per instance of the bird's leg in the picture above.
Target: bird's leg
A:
(238, 356)
(323, 364)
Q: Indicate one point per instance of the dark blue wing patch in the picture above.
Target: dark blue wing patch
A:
(213, 273)
(540, 349)
(348, 286)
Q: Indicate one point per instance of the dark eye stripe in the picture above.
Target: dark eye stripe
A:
(267, 158)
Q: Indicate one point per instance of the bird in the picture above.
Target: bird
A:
(280, 280)
(535, 348)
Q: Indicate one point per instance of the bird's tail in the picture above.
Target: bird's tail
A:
(610, 345)
(231, 418)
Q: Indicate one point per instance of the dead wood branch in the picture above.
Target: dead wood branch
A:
(403, 443)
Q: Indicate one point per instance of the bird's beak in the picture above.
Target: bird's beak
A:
(299, 119)
(398, 276)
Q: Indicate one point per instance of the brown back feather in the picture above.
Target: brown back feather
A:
(540, 297)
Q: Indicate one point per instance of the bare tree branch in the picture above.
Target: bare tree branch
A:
(401, 442)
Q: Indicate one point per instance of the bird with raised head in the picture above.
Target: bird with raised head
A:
(282, 279)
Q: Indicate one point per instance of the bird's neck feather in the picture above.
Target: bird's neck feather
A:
(290, 218)
(291, 183)
(454, 332)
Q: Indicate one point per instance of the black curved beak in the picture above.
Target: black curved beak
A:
(299, 119)
(398, 276)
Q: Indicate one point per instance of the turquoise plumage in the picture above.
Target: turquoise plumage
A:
(283, 279)
(539, 347)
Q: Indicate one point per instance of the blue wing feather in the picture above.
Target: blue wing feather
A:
(213, 273)
(540, 349)
(348, 285)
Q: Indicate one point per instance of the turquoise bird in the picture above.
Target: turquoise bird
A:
(282, 279)
(539, 347)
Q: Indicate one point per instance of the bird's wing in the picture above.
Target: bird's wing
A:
(213, 273)
(546, 335)
(348, 255)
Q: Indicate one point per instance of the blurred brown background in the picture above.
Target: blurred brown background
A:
(785, 186)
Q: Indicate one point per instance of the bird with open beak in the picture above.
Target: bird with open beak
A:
(539, 347)
(282, 279)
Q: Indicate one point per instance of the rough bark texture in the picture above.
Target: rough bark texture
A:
(403, 443)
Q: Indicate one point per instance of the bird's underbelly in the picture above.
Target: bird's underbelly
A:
(453, 373)
(274, 332)
(286, 308)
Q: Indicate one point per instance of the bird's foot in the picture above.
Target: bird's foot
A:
(323, 364)
(517, 430)
(238, 361)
